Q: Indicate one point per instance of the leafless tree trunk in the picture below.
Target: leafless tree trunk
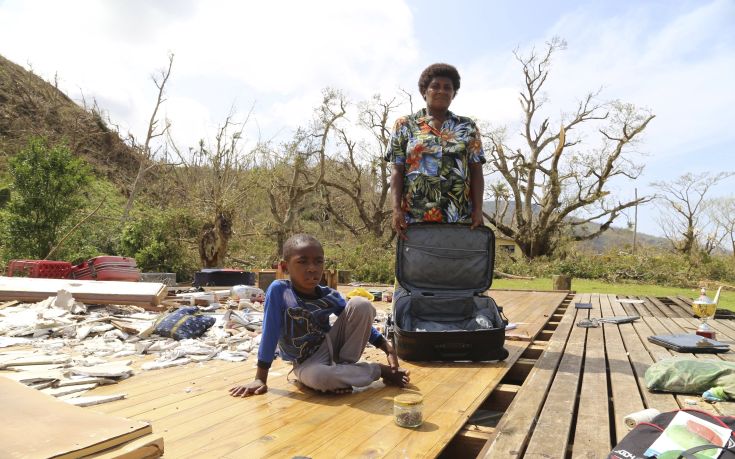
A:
(148, 156)
(551, 178)
(682, 203)
(210, 176)
(360, 176)
(722, 212)
(298, 171)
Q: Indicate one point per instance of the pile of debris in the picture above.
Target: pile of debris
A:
(64, 348)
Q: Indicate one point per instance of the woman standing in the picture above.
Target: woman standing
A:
(437, 158)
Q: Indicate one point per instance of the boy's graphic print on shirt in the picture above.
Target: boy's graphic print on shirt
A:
(306, 322)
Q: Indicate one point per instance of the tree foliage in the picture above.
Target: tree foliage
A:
(46, 192)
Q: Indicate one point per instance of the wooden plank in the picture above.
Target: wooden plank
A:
(199, 418)
(551, 436)
(665, 311)
(626, 394)
(530, 311)
(683, 309)
(94, 399)
(501, 397)
(592, 428)
(515, 427)
(45, 427)
(59, 391)
(278, 432)
(377, 438)
(7, 304)
(147, 447)
(144, 294)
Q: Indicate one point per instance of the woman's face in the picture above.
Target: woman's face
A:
(439, 94)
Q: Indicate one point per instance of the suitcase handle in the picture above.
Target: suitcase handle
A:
(453, 350)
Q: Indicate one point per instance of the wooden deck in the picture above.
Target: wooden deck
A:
(190, 406)
(572, 403)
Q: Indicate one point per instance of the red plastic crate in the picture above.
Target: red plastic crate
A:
(39, 268)
(107, 268)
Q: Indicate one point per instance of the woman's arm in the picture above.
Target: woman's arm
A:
(396, 192)
(477, 192)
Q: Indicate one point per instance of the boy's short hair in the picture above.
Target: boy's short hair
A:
(298, 240)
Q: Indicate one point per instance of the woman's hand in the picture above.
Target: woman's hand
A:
(399, 223)
(256, 387)
(477, 218)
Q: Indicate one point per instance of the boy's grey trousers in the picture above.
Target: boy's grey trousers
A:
(335, 364)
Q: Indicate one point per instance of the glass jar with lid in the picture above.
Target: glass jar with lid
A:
(408, 410)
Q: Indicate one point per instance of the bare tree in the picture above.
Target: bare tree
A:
(682, 203)
(297, 168)
(551, 178)
(359, 175)
(210, 176)
(146, 154)
(722, 213)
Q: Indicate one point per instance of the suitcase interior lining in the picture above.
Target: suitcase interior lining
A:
(431, 313)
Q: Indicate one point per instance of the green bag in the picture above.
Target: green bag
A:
(691, 376)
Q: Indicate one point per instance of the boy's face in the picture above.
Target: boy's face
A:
(305, 267)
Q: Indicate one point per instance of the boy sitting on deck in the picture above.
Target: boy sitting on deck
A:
(297, 319)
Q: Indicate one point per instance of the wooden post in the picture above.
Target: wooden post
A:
(561, 282)
(329, 278)
(635, 223)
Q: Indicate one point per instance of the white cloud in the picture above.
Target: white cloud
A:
(276, 53)
(279, 55)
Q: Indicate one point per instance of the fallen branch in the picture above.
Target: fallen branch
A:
(71, 231)
(499, 274)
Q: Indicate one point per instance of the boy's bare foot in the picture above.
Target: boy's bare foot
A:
(339, 391)
(343, 390)
(398, 378)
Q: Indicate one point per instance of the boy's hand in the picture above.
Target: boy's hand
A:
(256, 387)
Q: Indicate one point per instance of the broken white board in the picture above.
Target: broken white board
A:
(90, 400)
(59, 391)
(144, 294)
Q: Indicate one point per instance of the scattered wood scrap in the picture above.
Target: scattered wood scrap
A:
(66, 390)
(499, 274)
(91, 400)
(35, 360)
(7, 304)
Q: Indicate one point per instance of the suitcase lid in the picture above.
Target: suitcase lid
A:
(446, 257)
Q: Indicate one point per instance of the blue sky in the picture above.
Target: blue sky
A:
(676, 58)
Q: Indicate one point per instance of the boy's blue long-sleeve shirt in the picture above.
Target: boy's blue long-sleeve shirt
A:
(298, 325)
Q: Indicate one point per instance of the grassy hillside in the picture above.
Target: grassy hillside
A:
(29, 106)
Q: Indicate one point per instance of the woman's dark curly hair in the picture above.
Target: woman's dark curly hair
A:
(438, 70)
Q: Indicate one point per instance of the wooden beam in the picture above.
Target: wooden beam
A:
(144, 294)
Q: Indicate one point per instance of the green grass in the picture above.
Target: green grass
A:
(727, 299)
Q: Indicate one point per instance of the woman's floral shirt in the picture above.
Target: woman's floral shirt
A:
(436, 186)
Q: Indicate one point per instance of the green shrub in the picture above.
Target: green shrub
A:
(46, 192)
(163, 242)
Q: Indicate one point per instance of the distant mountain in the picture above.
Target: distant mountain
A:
(612, 238)
(620, 238)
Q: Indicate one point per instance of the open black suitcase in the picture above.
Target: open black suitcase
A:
(440, 311)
